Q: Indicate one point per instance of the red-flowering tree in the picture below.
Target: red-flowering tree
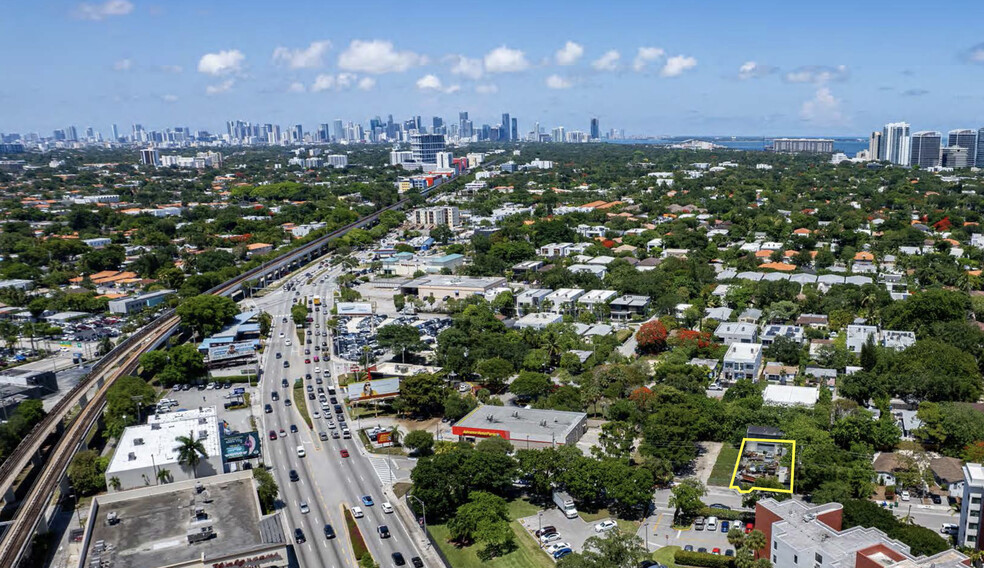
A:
(651, 337)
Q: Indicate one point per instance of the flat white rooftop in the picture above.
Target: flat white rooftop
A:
(153, 444)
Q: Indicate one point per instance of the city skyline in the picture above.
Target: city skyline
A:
(717, 73)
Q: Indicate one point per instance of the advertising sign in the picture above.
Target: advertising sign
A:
(241, 446)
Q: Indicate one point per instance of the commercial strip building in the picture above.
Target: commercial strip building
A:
(206, 523)
(144, 451)
(133, 304)
(523, 427)
(446, 287)
(798, 534)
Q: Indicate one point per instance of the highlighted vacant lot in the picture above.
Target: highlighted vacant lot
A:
(764, 465)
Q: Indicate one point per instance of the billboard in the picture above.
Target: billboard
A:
(241, 446)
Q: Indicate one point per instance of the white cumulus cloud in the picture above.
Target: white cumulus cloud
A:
(646, 55)
(608, 61)
(975, 54)
(96, 12)
(569, 54)
(123, 65)
(558, 82)
(488, 89)
(221, 63)
(505, 60)
(817, 74)
(377, 56)
(367, 83)
(296, 87)
(433, 83)
(677, 64)
(171, 68)
(304, 58)
(753, 70)
(466, 66)
(222, 87)
(822, 109)
(339, 82)
(169, 98)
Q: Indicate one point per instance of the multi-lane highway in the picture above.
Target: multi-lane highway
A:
(326, 481)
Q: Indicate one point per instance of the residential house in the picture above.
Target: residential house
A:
(771, 332)
(736, 332)
(742, 361)
(886, 464)
(948, 474)
(629, 305)
(858, 335)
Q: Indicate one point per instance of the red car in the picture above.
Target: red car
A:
(307, 360)
(749, 528)
(343, 453)
(273, 435)
(716, 551)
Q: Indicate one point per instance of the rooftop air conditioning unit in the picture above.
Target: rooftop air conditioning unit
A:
(112, 518)
(138, 441)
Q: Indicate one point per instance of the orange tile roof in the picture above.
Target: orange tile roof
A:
(763, 253)
(864, 256)
(255, 246)
(802, 231)
(781, 266)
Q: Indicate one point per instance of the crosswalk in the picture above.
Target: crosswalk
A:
(382, 468)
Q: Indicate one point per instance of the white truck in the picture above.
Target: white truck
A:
(565, 503)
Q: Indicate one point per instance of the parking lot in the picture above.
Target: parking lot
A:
(661, 533)
(572, 531)
(238, 420)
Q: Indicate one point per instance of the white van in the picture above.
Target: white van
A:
(711, 524)
(300, 451)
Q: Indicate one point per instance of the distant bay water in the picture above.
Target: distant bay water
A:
(849, 146)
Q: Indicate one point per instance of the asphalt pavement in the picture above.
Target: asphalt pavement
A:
(327, 481)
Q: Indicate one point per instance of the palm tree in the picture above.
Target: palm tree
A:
(754, 541)
(115, 483)
(163, 475)
(976, 557)
(190, 452)
(736, 537)
(105, 345)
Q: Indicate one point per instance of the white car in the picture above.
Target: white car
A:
(905, 496)
(552, 537)
(287, 342)
(316, 414)
(386, 507)
(357, 512)
(304, 508)
(317, 369)
(557, 546)
(605, 525)
(281, 334)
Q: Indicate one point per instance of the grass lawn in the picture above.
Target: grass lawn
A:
(665, 556)
(526, 555)
(724, 467)
(628, 527)
(300, 399)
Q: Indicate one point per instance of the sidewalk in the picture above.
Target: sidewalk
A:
(427, 552)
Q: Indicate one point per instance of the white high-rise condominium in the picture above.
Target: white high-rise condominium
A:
(895, 140)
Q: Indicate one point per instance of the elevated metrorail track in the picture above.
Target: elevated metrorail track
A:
(122, 360)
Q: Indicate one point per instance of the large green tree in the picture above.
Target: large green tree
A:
(206, 314)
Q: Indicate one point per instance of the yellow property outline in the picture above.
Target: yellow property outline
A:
(741, 452)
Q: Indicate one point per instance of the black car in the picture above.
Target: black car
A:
(383, 531)
(293, 428)
(417, 562)
(299, 536)
(284, 320)
(936, 498)
(702, 550)
(268, 409)
(286, 364)
(689, 548)
(274, 395)
(284, 383)
(398, 559)
(279, 355)
(294, 476)
(287, 402)
(549, 529)
(329, 532)
(310, 396)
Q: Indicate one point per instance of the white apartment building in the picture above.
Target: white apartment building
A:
(336, 160)
(742, 361)
(971, 506)
(449, 216)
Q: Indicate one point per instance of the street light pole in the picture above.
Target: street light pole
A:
(423, 508)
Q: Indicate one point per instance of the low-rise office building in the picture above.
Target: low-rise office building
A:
(206, 523)
(139, 302)
(799, 534)
(147, 450)
(524, 428)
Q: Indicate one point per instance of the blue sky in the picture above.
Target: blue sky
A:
(700, 67)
